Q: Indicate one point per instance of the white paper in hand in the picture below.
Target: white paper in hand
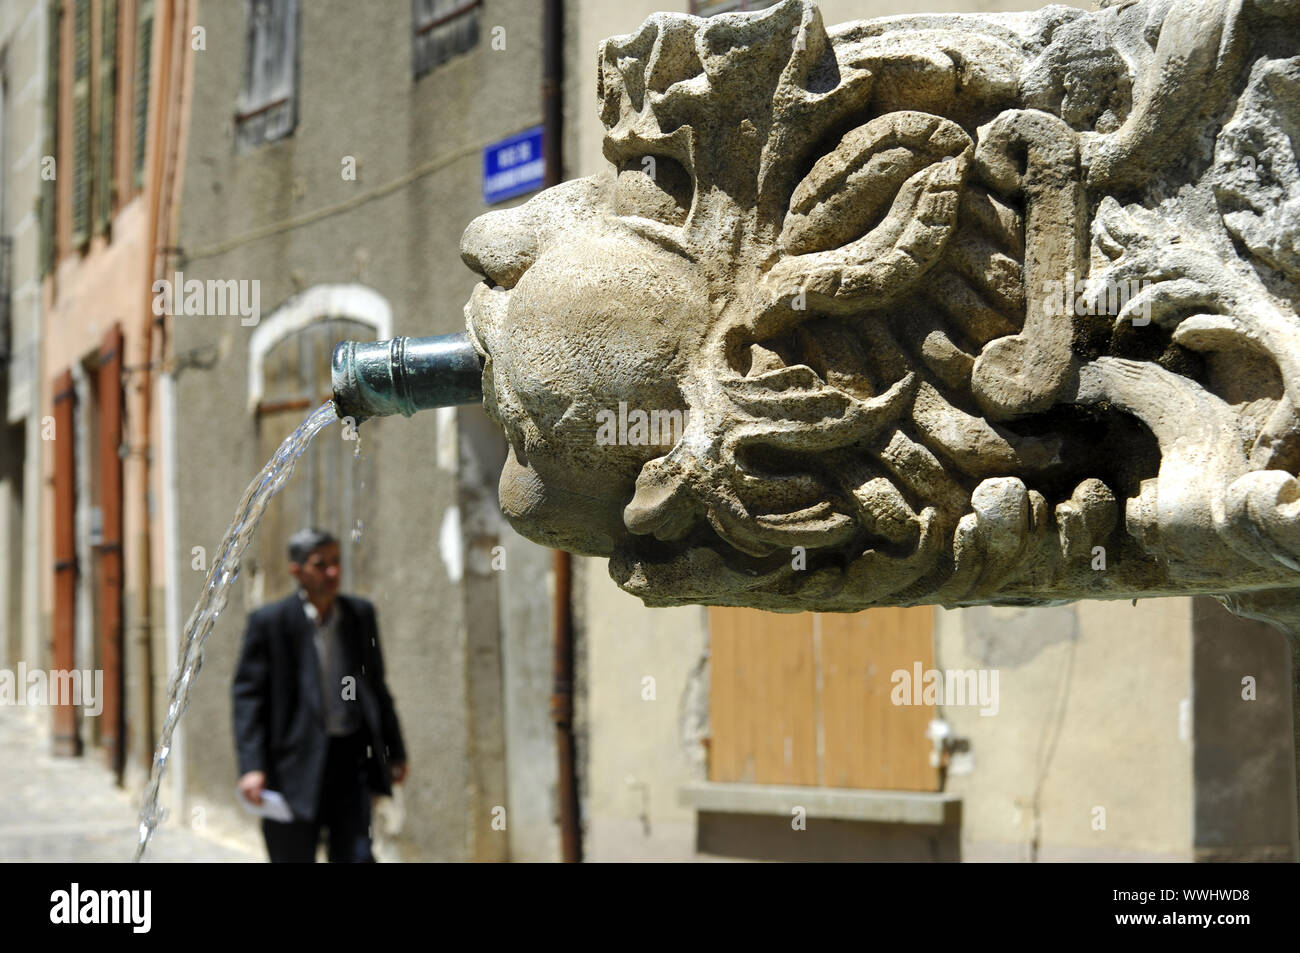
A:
(273, 807)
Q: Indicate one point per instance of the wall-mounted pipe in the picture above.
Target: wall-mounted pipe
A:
(562, 691)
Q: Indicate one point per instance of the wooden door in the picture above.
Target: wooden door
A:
(66, 738)
(327, 483)
(805, 699)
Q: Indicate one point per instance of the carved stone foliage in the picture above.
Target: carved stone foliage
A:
(951, 309)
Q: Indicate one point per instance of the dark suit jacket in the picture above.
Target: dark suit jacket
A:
(279, 724)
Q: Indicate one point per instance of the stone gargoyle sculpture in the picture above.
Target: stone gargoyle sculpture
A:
(952, 309)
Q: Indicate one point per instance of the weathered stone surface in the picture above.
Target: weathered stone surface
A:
(958, 309)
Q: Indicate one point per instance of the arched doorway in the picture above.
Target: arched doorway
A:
(289, 378)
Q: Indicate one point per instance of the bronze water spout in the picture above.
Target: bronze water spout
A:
(403, 375)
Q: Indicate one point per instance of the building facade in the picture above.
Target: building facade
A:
(24, 71)
(238, 186)
(334, 159)
(109, 141)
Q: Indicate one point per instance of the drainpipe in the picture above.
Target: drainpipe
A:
(562, 617)
(144, 625)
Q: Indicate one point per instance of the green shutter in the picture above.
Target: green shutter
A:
(105, 154)
(49, 186)
(143, 49)
(81, 128)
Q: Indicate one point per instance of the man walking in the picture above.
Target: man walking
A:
(313, 716)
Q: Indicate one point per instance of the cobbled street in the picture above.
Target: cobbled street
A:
(69, 810)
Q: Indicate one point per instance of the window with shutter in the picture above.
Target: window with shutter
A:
(105, 153)
(81, 127)
(441, 29)
(49, 190)
(808, 699)
(143, 63)
(267, 102)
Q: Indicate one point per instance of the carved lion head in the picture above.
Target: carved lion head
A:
(821, 252)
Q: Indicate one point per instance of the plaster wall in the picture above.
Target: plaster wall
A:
(284, 215)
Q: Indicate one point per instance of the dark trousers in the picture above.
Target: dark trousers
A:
(344, 812)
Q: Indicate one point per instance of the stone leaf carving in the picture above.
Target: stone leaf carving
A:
(951, 309)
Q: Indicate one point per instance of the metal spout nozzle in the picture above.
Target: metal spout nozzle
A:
(401, 376)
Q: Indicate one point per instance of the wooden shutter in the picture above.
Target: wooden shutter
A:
(105, 153)
(143, 62)
(326, 487)
(763, 698)
(67, 741)
(49, 186)
(441, 29)
(81, 127)
(869, 742)
(267, 103)
(805, 699)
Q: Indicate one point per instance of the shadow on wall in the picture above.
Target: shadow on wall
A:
(771, 837)
(1243, 763)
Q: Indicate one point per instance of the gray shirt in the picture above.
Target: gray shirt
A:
(338, 699)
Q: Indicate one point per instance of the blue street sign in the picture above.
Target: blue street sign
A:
(513, 166)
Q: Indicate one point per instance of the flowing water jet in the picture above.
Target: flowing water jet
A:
(216, 591)
(370, 379)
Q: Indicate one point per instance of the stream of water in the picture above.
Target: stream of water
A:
(216, 590)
